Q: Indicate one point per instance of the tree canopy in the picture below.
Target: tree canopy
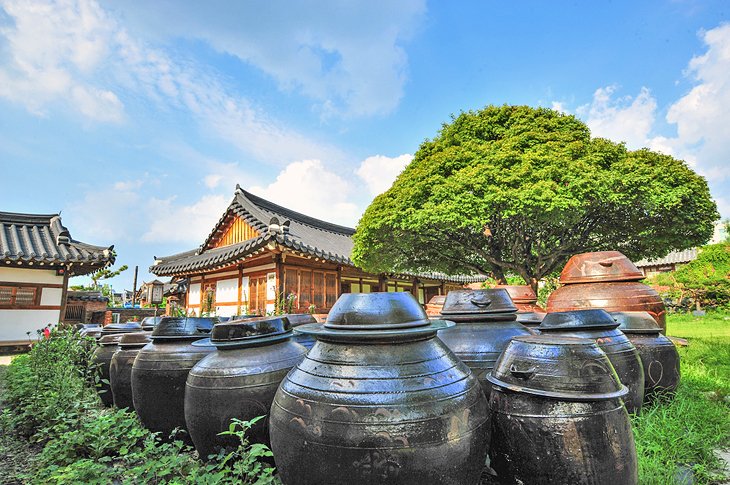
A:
(515, 189)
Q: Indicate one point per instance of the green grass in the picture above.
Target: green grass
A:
(685, 432)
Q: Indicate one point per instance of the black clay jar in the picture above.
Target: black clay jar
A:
(117, 328)
(149, 323)
(102, 357)
(120, 368)
(160, 370)
(298, 319)
(379, 399)
(658, 354)
(485, 323)
(558, 415)
(599, 326)
(238, 380)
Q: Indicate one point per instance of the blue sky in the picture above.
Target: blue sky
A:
(136, 119)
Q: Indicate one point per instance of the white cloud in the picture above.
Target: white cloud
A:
(346, 56)
(74, 53)
(183, 223)
(307, 186)
(623, 119)
(379, 172)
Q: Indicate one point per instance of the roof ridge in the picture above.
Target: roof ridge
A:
(26, 217)
(260, 202)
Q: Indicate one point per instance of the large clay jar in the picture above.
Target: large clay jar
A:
(434, 305)
(149, 323)
(298, 319)
(117, 328)
(658, 354)
(600, 327)
(160, 370)
(120, 368)
(379, 399)
(238, 380)
(102, 357)
(485, 323)
(529, 313)
(606, 280)
(557, 415)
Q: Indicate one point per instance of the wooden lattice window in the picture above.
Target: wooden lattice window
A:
(18, 296)
(305, 289)
(330, 290)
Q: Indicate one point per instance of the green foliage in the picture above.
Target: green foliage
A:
(517, 189)
(106, 273)
(707, 278)
(685, 431)
(51, 398)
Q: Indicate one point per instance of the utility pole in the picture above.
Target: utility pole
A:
(134, 287)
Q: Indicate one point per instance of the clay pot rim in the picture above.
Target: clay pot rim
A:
(258, 341)
(372, 331)
(563, 396)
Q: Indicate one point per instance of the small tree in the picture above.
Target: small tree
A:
(106, 274)
(707, 278)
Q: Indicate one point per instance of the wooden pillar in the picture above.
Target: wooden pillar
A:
(383, 283)
(64, 293)
(240, 287)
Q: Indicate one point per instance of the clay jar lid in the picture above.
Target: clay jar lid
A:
(179, 328)
(577, 320)
(519, 293)
(248, 333)
(636, 322)
(374, 315)
(136, 339)
(297, 319)
(530, 318)
(437, 300)
(126, 327)
(550, 366)
(600, 267)
(109, 340)
(478, 305)
(149, 323)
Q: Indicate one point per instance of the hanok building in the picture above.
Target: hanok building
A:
(37, 256)
(260, 254)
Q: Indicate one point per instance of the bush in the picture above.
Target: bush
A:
(51, 399)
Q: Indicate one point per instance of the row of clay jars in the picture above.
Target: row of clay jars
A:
(529, 313)
(557, 415)
(606, 280)
(102, 356)
(120, 368)
(160, 370)
(379, 399)
(238, 380)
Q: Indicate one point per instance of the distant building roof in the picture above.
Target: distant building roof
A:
(275, 224)
(76, 295)
(41, 240)
(675, 257)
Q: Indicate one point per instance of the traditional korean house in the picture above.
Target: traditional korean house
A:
(261, 256)
(37, 256)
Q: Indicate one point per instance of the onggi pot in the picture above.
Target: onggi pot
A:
(658, 354)
(485, 323)
(102, 356)
(379, 399)
(120, 368)
(160, 370)
(600, 327)
(606, 280)
(558, 415)
(238, 380)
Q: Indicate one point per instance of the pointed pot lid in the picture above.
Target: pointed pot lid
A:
(636, 322)
(601, 266)
(149, 323)
(136, 339)
(180, 328)
(473, 305)
(248, 333)
(550, 366)
(519, 293)
(374, 315)
(577, 320)
(109, 340)
(114, 328)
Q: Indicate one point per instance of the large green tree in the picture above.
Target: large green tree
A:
(514, 189)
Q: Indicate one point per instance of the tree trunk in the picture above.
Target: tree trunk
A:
(534, 284)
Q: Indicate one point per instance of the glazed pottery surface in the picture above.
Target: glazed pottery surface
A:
(120, 367)
(379, 399)
(102, 357)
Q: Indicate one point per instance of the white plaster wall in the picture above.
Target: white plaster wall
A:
(194, 294)
(270, 286)
(51, 296)
(15, 323)
(225, 311)
(244, 291)
(23, 275)
(226, 291)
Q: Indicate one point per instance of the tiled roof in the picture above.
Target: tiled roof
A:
(675, 257)
(39, 240)
(75, 295)
(275, 224)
